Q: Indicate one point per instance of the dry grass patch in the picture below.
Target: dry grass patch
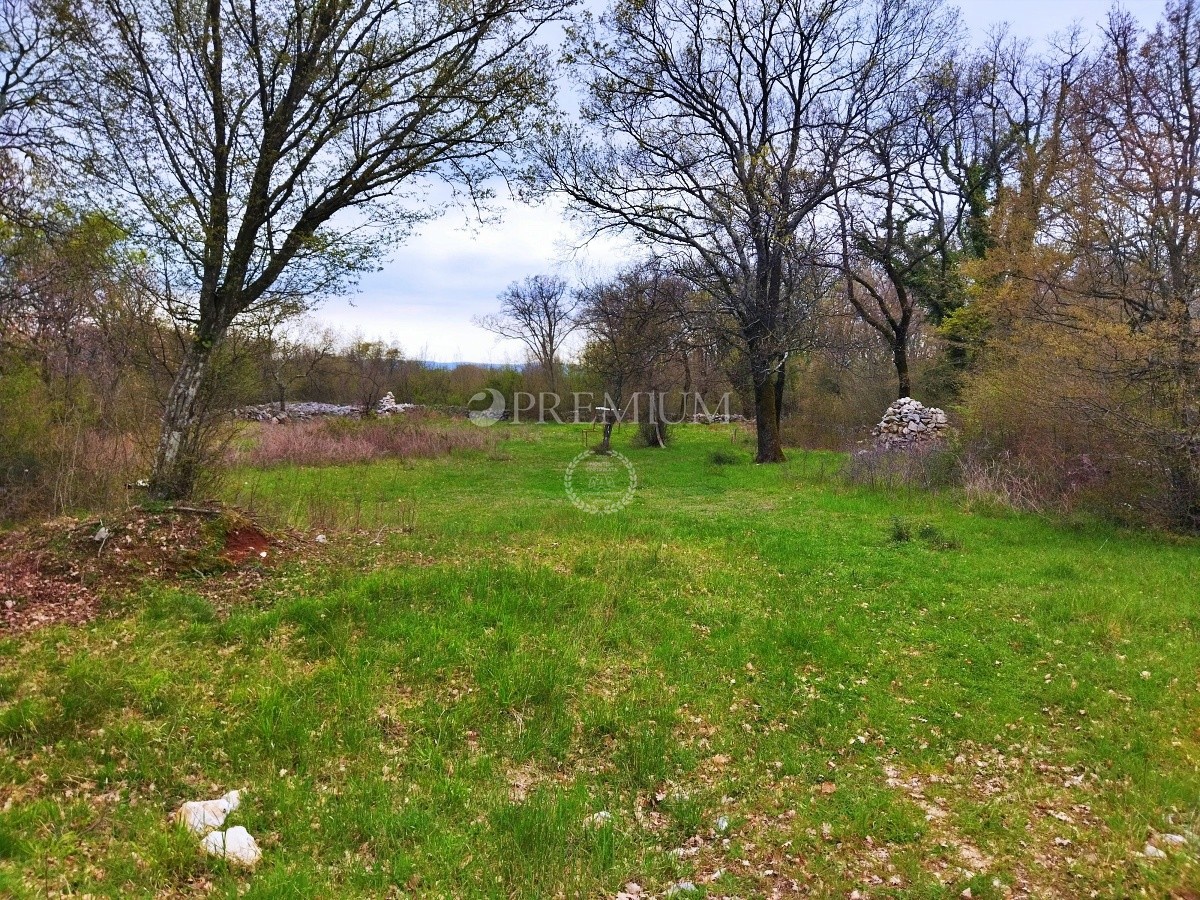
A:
(334, 442)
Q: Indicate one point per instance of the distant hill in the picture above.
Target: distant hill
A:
(432, 364)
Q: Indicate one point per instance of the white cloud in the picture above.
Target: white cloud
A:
(432, 286)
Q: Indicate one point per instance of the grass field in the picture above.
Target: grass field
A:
(768, 683)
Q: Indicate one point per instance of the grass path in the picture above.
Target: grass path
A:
(765, 692)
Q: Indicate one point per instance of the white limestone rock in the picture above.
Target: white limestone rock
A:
(202, 816)
(236, 845)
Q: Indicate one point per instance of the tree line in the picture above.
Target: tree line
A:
(816, 184)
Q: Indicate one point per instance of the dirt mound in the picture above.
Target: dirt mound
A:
(245, 542)
(58, 572)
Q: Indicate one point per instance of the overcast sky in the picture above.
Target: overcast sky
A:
(431, 287)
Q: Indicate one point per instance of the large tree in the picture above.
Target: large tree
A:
(1138, 239)
(266, 150)
(721, 130)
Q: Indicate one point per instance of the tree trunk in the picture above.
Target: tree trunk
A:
(687, 387)
(900, 359)
(176, 461)
(766, 419)
(1184, 474)
(780, 378)
(605, 447)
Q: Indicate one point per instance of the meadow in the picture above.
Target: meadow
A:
(752, 681)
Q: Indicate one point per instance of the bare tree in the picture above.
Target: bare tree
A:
(634, 322)
(722, 129)
(265, 151)
(33, 33)
(290, 356)
(899, 234)
(540, 313)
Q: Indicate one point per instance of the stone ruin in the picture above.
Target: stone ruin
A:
(300, 411)
(387, 405)
(908, 423)
(303, 410)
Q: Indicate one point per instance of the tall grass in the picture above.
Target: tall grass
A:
(334, 442)
(921, 467)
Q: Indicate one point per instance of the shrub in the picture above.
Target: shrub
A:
(901, 532)
(57, 452)
(1038, 436)
(724, 458)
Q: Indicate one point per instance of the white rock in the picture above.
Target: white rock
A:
(236, 845)
(388, 406)
(681, 887)
(321, 539)
(1152, 852)
(101, 535)
(202, 816)
(1175, 840)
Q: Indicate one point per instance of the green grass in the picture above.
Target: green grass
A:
(889, 693)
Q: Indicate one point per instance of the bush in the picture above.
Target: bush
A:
(903, 532)
(1038, 436)
(24, 431)
(57, 454)
(724, 458)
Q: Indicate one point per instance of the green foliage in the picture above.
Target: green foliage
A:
(25, 423)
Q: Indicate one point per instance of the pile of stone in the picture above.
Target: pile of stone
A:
(908, 423)
(387, 406)
(717, 418)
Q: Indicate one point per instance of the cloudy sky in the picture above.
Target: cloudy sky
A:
(431, 287)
